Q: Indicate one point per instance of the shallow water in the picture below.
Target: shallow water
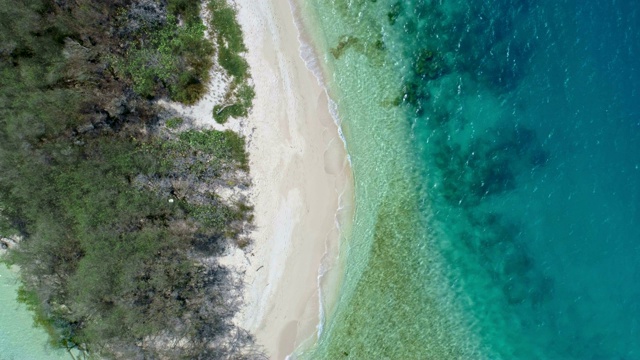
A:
(19, 340)
(496, 155)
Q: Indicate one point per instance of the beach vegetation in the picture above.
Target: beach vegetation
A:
(228, 38)
(174, 123)
(170, 56)
(237, 103)
(230, 47)
(120, 218)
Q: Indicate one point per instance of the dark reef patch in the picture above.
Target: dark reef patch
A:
(486, 45)
(344, 44)
(394, 13)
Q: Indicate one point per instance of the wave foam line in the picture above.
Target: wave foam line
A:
(311, 60)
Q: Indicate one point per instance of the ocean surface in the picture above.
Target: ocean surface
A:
(495, 147)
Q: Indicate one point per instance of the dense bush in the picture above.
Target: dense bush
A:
(230, 46)
(116, 219)
(174, 57)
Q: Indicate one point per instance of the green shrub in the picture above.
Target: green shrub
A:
(174, 57)
(225, 145)
(222, 113)
(228, 39)
(106, 259)
(243, 97)
(174, 123)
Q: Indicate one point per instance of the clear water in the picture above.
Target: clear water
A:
(19, 340)
(496, 154)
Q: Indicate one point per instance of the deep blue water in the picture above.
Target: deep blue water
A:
(527, 117)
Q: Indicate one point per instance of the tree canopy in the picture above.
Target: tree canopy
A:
(119, 216)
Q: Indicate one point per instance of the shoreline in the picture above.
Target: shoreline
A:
(301, 177)
(302, 185)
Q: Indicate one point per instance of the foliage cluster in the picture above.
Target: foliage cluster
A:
(237, 103)
(162, 48)
(230, 46)
(115, 219)
(174, 123)
(171, 56)
(224, 145)
(228, 38)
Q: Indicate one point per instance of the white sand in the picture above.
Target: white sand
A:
(299, 169)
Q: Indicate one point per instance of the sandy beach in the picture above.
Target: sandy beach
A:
(301, 181)
(299, 169)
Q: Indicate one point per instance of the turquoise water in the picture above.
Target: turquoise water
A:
(495, 148)
(19, 340)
